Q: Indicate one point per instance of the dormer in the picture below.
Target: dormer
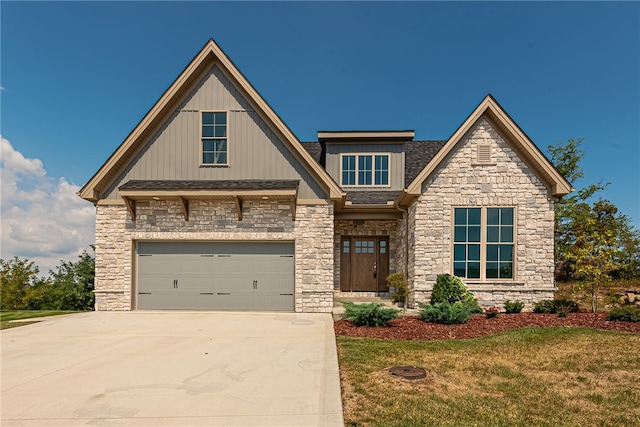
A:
(366, 160)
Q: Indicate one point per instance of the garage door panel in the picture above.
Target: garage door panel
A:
(174, 300)
(216, 275)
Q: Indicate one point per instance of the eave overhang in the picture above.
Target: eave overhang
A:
(368, 136)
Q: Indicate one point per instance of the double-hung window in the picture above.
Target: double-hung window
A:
(483, 243)
(369, 170)
(214, 138)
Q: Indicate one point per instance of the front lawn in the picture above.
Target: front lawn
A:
(7, 316)
(531, 376)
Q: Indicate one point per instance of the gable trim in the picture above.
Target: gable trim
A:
(209, 55)
(557, 184)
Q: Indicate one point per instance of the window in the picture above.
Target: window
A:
(214, 138)
(365, 170)
(483, 245)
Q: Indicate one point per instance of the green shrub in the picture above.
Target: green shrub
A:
(627, 313)
(556, 306)
(371, 314)
(443, 312)
(513, 307)
(399, 282)
(451, 289)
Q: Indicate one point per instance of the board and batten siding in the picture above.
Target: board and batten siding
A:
(396, 161)
(254, 150)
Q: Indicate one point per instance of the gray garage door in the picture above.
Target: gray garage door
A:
(216, 276)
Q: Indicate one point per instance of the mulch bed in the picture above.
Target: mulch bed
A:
(412, 328)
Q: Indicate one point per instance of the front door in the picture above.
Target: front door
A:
(364, 264)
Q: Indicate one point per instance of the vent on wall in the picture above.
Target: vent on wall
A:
(484, 153)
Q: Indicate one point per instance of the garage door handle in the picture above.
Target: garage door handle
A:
(175, 283)
(286, 294)
(144, 293)
(255, 284)
(206, 293)
(224, 293)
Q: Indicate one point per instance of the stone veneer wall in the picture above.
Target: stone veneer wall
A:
(506, 182)
(312, 232)
(365, 228)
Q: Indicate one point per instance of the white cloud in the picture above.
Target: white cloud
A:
(42, 218)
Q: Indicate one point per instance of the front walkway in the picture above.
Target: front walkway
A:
(172, 369)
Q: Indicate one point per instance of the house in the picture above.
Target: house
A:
(212, 203)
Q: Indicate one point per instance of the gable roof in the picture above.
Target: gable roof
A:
(209, 55)
(558, 186)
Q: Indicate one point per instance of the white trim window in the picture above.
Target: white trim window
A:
(483, 243)
(364, 170)
(213, 135)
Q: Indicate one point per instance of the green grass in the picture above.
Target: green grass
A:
(7, 316)
(531, 376)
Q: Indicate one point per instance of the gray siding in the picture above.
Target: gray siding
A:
(255, 152)
(396, 161)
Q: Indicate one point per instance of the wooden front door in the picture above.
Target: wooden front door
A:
(364, 264)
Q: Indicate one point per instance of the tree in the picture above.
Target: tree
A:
(72, 285)
(20, 286)
(593, 241)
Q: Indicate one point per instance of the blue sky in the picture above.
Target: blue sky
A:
(77, 77)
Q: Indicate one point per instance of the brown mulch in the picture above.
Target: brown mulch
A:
(412, 328)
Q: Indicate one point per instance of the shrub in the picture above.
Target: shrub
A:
(491, 312)
(513, 307)
(443, 312)
(372, 314)
(399, 282)
(559, 306)
(451, 289)
(627, 313)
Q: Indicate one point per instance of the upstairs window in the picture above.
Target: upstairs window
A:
(214, 138)
(367, 170)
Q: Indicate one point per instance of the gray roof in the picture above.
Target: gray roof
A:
(417, 155)
(247, 184)
(316, 150)
(360, 197)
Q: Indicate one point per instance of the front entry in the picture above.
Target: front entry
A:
(364, 264)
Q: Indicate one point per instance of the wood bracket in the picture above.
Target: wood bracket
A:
(293, 209)
(184, 204)
(238, 207)
(131, 207)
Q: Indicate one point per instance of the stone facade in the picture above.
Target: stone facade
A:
(365, 228)
(312, 232)
(506, 181)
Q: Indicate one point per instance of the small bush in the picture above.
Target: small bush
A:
(491, 312)
(399, 282)
(545, 306)
(513, 307)
(627, 313)
(556, 306)
(372, 314)
(443, 312)
(451, 289)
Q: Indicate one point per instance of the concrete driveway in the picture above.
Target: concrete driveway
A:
(172, 369)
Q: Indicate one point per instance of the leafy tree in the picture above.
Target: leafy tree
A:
(72, 285)
(593, 241)
(20, 286)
